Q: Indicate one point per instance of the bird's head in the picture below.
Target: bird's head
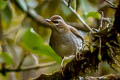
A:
(57, 21)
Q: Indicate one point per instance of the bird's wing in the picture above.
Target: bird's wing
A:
(75, 31)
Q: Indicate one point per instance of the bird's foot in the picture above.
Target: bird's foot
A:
(62, 70)
(62, 67)
(78, 56)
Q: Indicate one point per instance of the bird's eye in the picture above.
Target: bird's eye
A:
(56, 22)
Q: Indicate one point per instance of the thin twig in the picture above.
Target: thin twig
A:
(83, 22)
(111, 4)
(101, 21)
(22, 60)
(26, 68)
(69, 2)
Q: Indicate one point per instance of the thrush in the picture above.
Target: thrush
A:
(65, 39)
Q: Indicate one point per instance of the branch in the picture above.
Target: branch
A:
(74, 68)
(83, 22)
(22, 60)
(26, 68)
(111, 4)
(19, 69)
(105, 77)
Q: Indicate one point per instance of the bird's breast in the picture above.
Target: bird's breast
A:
(65, 44)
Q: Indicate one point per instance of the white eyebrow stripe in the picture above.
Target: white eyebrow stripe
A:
(58, 20)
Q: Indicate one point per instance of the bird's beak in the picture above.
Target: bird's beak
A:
(49, 21)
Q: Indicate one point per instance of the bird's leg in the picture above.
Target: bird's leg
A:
(62, 63)
(62, 66)
(66, 58)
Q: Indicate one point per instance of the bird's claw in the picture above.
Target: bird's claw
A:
(62, 70)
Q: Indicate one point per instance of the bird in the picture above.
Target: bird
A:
(65, 40)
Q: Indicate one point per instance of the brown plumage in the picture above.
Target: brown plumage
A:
(65, 39)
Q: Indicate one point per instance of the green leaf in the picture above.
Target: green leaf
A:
(3, 4)
(7, 15)
(33, 42)
(96, 15)
(5, 58)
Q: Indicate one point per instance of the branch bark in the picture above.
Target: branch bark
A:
(26, 68)
(74, 68)
(83, 22)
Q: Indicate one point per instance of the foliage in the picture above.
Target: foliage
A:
(33, 42)
(3, 4)
(5, 58)
(94, 14)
